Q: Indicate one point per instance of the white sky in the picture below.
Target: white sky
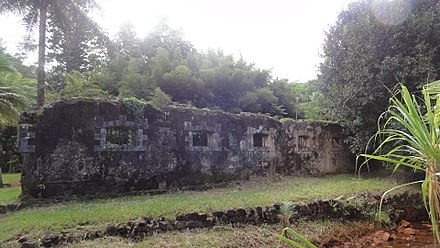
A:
(283, 35)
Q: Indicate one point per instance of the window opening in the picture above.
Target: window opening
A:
(260, 140)
(303, 141)
(336, 141)
(120, 136)
(200, 138)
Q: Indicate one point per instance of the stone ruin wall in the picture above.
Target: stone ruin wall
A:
(317, 148)
(98, 147)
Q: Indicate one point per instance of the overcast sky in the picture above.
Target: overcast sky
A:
(283, 35)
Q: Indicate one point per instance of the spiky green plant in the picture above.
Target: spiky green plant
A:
(286, 211)
(301, 243)
(289, 235)
(411, 137)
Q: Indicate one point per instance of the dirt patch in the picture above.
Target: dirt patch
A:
(404, 234)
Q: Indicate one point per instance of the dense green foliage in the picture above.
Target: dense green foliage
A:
(128, 66)
(16, 95)
(364, 56)
(76, 85)
(309, 99)
(164, 67)
(164, 59)
(10, 161)
(16, 92)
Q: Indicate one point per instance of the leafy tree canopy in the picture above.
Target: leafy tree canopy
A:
(164, 60)
(69, 27)
(365, 55)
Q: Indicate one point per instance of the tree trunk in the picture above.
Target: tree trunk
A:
(41, 73)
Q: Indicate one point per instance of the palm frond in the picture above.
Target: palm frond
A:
(15, 6)
(14, 96)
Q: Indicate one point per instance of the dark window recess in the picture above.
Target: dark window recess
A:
(200, 138)
(258, 140)
(32, 141)
(337, 141)
(303, 141)
(120, 136)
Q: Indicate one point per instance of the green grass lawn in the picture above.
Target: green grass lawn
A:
(259, 192)
(12, 178)
(10, 194)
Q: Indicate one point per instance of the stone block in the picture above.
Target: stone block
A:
(231, 213)
(241, 212)
(218, 214)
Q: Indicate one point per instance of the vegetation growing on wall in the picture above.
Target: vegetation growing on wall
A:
(135, 107)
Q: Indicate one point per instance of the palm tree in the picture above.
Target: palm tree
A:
(37, 12)
(14, 94)
(411, 133)
(13, 99)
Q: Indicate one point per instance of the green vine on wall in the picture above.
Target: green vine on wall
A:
(135, 107)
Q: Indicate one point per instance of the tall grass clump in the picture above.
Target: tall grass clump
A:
(410, 136)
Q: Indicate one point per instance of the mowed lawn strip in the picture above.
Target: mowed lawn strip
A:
(10, 194)
(101, 212)
(12, 178)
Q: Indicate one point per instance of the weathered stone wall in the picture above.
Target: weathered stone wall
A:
(90, 147)
(317, 148)
(94, 147)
